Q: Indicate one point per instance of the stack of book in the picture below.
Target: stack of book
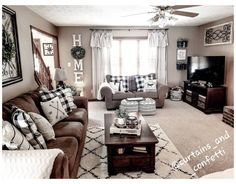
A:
(140, 149)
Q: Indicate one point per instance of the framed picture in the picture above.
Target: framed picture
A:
(47, 49)
(11, 65)
(181, 55)
(218, 35)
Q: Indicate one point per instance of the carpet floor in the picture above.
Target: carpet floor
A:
(196, 136)
(93, 163)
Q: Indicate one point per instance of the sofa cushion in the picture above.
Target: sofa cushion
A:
(53, 110)
(140, 79)
(43, 126)
(122, 95)
(13, 139)
(26, 125)
(118, 79)
(79, 114)
(69, 128)
(64, 95)
(146, 94)
(24, 102)
(69, 145)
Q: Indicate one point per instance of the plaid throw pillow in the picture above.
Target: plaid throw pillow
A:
(65, 97)
(124, 79)
(140, 81)
(26, 125)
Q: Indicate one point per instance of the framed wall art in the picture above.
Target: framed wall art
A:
(218, 35)
(47, 49)
(181, 55)
(11, 65)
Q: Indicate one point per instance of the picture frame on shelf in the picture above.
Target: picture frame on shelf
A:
(11, 64)
(48, 49)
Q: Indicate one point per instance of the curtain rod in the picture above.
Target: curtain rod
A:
(129, 29)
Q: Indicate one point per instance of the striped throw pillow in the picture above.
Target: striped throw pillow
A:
(26, 125)
(13, 139)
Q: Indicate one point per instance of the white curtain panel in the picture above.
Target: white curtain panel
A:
(101, 42)
(158, 42)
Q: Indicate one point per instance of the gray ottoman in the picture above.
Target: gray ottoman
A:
(129, 106)
(147, 106)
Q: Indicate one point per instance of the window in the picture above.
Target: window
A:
(131, 57)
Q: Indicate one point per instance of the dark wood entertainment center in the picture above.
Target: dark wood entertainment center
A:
(206, 99)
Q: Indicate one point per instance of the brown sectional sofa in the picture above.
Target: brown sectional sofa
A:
(112, 101)
(70, 132)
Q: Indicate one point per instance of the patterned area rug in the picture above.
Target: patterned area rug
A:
(93, 163)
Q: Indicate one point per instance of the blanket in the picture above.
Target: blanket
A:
(104, 84)
(26, 164)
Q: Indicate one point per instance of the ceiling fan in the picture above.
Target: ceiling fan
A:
(164, 14)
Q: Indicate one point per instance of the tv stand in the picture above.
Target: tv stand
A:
(204, 98)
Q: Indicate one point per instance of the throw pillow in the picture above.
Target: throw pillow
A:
(13, 139)
(53, 110)
(124, 79)
(150, 86)
(44, 127)
(140, 80)
(26, 125)
(122, 89)
(114, 86)
(64, 95)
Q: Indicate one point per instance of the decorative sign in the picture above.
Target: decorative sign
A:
(47, 49)
(218, 35)
(11, 67)
(181, 54)
(78, 63)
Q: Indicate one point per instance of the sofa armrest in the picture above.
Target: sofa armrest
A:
(60, 167)
(81, 102)
(162, 90)
(106, 93)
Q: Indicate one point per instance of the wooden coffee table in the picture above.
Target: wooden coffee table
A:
(130, 160)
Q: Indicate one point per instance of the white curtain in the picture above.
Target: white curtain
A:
(101, 42)
(158, 42)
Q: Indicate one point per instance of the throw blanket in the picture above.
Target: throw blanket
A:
(104, 84)
(27, 164)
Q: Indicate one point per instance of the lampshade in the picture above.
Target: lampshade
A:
(60, 74)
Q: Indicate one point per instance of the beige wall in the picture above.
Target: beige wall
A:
(220, 50)
(174, 76)
(25, 18)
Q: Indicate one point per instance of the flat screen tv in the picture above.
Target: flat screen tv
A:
(206, 68)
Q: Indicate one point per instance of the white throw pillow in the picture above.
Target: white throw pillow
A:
(13, 139)
(122, 89)
(26, 125)
(53, 110)
(150, 85)
(44, 127)
(115, 86)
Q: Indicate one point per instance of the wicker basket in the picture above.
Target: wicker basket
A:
(176, 95)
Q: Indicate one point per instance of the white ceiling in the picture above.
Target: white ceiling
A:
(84, 15)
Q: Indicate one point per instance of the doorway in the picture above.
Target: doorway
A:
(46, 56)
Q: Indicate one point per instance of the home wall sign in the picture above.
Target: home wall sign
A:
(11, 65)
(78, 62)
(218, 35)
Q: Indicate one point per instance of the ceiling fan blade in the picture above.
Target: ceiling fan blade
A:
(182, 6)
(138, 14)
(187, 14)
